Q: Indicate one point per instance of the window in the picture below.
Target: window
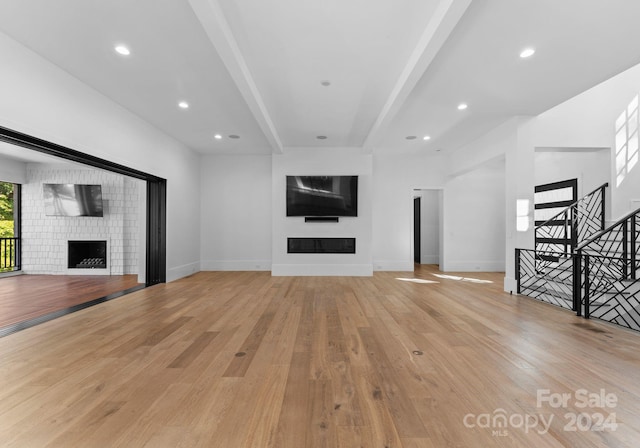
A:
(522, 215)
(626, 141)
(9, 227)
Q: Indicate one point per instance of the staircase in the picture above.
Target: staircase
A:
(579, 265)
(547, 273)
(609, 264)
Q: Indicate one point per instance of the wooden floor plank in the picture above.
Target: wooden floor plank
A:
(24, 297)
(291, 430)
(329, 362)
(185, 358)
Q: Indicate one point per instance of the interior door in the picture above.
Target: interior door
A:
(416, 230)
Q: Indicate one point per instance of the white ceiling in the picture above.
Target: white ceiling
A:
(9, 151)
(19, 154)
(397, 68)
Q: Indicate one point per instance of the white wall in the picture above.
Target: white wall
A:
(589, 120)
(395, 179)
(42, 100)
(495, 143)
(12, 171)
(307, 162)
(474, 220)
(589, 166)
(236, 213)
(511, 141)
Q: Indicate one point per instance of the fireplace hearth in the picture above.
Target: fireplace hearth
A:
(87, 255)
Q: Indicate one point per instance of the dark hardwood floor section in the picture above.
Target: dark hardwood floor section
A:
(244, 359)
(24, 297)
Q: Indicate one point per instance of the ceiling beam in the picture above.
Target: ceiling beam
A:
(446, 16)
(217, 28)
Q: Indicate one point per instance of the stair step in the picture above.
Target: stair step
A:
(544, 287)
(559, 281)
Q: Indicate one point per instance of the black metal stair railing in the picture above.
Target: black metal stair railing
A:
(607, 294)
(577, 222)
(557, 235)
(551, 272)
(595, 272)
(9, 254)
(547, 277)
(620, 240)
(607, 283)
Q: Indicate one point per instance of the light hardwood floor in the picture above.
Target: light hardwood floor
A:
(24, 297)
(243, 359)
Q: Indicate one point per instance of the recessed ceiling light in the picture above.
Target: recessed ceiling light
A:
(183, 105)
(326, 83)
(462, 106)
(410, 137)
(527, 52)
(234, 136)
(426, 137)
(321, 137)
(121, 49)
(217, 136)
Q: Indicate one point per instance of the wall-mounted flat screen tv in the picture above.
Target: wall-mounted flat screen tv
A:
(322, 195)
(72, 200)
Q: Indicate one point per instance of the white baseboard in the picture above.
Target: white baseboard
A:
(344, 270)
(106, 271)
(510, 285)
(185, 270)
(474, 266)
(393, 266)
(236, 265)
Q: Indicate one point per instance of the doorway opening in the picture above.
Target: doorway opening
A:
(154, 219)
(427, 226)
(416, 230)
(155, 266)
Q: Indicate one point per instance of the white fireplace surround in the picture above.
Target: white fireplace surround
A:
(45, 238)
(94, 271)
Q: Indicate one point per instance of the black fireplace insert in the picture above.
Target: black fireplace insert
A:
(87, 255)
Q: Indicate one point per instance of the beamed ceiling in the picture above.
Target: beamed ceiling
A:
(278, 74)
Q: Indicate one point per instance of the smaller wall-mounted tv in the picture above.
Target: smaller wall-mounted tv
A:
(322, 195)
(72, 200)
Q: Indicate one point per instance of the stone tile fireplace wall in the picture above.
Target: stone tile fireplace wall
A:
(45, 238)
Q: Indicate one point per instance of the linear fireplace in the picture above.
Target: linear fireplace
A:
(87, 255)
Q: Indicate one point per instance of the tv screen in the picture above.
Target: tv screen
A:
(72, 200)
(322, 195)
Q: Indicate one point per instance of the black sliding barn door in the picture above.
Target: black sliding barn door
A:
(156, 232)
